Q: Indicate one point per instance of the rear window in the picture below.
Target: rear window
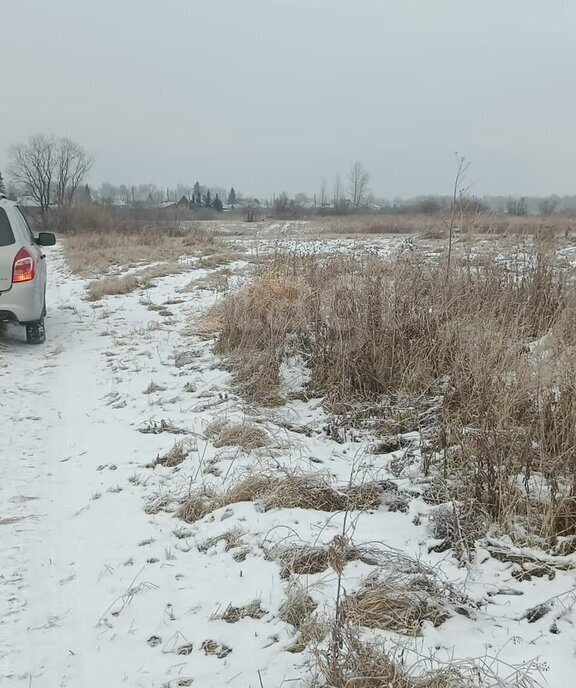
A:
(6, 235)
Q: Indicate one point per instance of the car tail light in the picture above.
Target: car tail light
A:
(24, 269)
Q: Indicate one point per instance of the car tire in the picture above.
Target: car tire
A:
(36, 332)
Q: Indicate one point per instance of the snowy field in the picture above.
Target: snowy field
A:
(102, 586)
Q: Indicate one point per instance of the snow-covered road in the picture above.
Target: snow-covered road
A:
(84, 589)
(62, 444)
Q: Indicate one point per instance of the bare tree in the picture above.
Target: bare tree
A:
(548, 205)
(323, 195)
(47, 168)
(358, 184)
(72, 166)
(337, 191)
(517, 206)
(33, 167)
(251, 209)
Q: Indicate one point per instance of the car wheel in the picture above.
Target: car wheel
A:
(36, 332)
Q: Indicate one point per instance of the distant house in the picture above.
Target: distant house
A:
(182, 204)
(119, 205)
(165, 205)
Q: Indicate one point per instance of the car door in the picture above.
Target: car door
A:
(8, 250)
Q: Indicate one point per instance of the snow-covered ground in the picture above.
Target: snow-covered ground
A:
(97, 591)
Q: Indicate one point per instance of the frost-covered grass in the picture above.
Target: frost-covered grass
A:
(491, 399)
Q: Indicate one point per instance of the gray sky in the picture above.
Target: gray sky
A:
(272, 95)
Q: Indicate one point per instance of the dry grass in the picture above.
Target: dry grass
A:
(308, 560)
(303, 492)
(387, 224)
(196, 506)
(363, 664)
(366, 667)
(209, 325)
(273, 490)
(311, 632)
(297, 611)
(211, 647)
(491, 344)
(217, 260)
(175, 456)
(154, 387)
(436, 225)
(142, 279)
(231, 538)
(312, 491)
(297, 607)
(124, 244)
(252, 611)
(250, 488)
(94, 253)
(217, 280)
(158, 504)
(247, 436)
(400, 605)
(302, 559)
(113, 286)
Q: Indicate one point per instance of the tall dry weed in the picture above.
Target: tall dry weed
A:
(494, 340)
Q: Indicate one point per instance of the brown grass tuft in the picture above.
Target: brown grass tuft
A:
(196, 506)
(400, 606)
(272, 490)
(232, 538)
(158, 504)
(208, 325)
(311, 632)
(175, 456)
(143, 279)
(249, 489)
(311, 491)
(308, 560)
(153, 387)
(297, 610)
(217, 260)
(364, 664)
(252, 611)
(297, 607)
(211, 647)
(217, 280)
(247, 436)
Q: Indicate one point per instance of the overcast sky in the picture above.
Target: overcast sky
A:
(272, 95)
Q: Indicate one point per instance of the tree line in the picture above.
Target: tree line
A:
(52, 171)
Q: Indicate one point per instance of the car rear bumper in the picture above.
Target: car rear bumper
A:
(21, 303)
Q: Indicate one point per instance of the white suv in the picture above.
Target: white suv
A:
(22, 272)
